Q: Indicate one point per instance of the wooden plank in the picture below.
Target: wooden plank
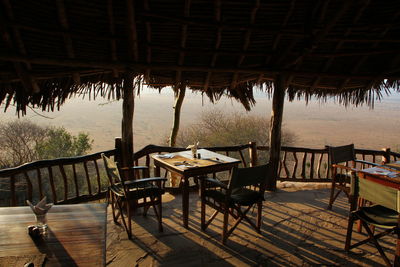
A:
(29, 183)
(87, 178)
(64, 176)
(75, 181)
(312, 165)
(53, 187)
(39, 176)
(319, 166)
(76, 234)
(295, 165)
(98, 177)
(303, 166)
(12, 190)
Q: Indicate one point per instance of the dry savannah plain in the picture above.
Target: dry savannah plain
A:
(315, 124)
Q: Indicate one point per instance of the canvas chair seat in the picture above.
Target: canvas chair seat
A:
(343, 177)
(137, 192)
(378, 216)
(242, 197)
(235, 199)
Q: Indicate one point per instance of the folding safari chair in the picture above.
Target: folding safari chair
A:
(245, 190)
(340, 157)
(384, 214)
(128, 195)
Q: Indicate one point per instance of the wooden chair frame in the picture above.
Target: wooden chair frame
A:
(227, 204)
(340, 174)
(127, 196)
(356, 215)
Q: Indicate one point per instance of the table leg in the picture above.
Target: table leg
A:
(157, 171)
(185, 201)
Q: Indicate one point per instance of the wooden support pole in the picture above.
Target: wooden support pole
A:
(127, 120)
(253, 153)
(386, 156)
(275, 130)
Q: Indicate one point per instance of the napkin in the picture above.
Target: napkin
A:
(165, 156)
(41, 207)
(193, 147)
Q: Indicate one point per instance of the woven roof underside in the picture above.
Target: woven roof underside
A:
(51, 50)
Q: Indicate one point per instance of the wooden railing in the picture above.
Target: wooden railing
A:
(297, 164)
(62, 180)
(78, 179)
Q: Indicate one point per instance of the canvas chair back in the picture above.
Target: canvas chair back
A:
(112, 170)
(252, 176)
(341, 154)
(376, 193)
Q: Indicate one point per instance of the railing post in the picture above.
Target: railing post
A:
(253, 153)
(118, 149)
(386, 156)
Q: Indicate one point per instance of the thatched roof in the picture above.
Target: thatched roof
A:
(53, 49)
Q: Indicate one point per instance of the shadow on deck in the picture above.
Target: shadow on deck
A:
(297, 230)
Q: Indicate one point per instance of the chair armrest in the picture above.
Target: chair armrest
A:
(216, 182)
(367, 162)
(134, 168)
(144, 181)
(344, 167)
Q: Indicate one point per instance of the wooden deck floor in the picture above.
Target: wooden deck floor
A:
(297, 231)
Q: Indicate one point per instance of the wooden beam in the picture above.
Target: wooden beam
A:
(184, 32)
(246, 43)
(278, 37)
(113, 42)
(28, 82)
(128, 105)
(320, 35)
(217, 14)
(276, 129)
(129, 65)
(148, 39)
(132, 31)
(62, 17)
(218, 24)
(340, 43)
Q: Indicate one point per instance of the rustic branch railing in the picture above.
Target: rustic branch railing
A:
(62, 180)
(78, 179)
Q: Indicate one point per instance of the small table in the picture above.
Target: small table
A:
(382, 175)
(76, 234)
(183, 164)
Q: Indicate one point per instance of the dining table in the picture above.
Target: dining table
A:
(185, 165)
(76, 236)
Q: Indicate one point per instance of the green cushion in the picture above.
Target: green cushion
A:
(379, 216)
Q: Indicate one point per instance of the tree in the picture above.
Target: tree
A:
(216, 128)
(179, 96)
(23, 141)
(18, 140)
(60, 143)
